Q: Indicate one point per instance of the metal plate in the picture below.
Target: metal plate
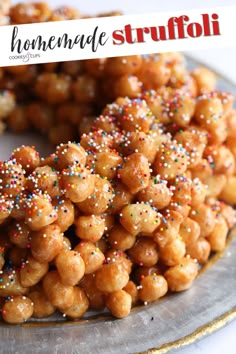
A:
(176, 320)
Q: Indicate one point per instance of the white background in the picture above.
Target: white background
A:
(224, 60)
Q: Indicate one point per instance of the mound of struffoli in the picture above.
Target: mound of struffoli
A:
(134, 208)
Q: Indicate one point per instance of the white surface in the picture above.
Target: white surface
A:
(224, 61)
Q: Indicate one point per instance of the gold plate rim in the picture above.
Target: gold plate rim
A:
(201, 332)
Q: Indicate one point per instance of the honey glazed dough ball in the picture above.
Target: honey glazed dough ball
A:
(60, 295)
(42, 306)
(17, 310)
(69, 154)
(134, 172)
(32, 272)
(99, 200)
(39, 211)
(53, 88)
(152, 287)
(111, 277)
(80, 304)
(78, 183)
(70, 266)
(27, 157)
(30, 13)
(65, 213)
(119, 303)
(96, 297)
(41, 115)
(120, 258)
(17, 120)
(46, 243)
(92, 256)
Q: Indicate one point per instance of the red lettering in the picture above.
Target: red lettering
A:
(206, 25)
(118, 37)
(216, 28)
(171, 28)
(128, 34)
(194, 29)
(139, 32)
(154, 34)
(180, 24)
(162, 33)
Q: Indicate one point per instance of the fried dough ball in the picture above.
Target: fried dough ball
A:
(90, 228)
(19, 234)
(144, 252)
(11, 285)
(32, 272)
(189, 231)
(70, 266)
(7, 103)
(96, 297)
(134, 172)
(46, 243)
(39, 211)
(105, 163)
(111, 277)
(217, 238)
(123, 65)
(205, 79)
(79, 305)
(27, 157)
(78, 183)
(121, 197)
(42, 306)
(12, 179)
(139, 217)
(65, 213)
(200, 250)
(173, 252)
(120, 239)
(17, 310)
(44, 179)
(41, 115)
(154, 73)
(119, 303)
(30, 13)
(181, 276)
(169, 228)
(69, 154)
(92, 256)
(171, 160)
(53, 88)
(85, 89)
(17, 120)
(60, 295)
(98, 201)
(205, 217)
(209, 115)
(132, 290)
(152, 287)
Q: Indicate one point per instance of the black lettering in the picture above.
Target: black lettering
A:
(94, 40)
(41, 45)
(27, 45)
(50, 45)
(77, 39)
(64, 39)
(103, 34)
(18, 42)
(82, 42)
(94, 46)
